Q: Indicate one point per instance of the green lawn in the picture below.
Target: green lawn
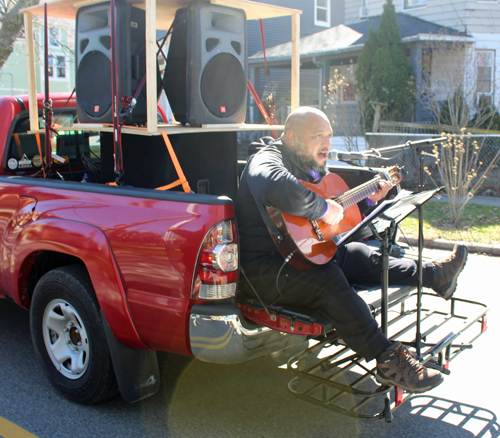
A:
(479, 223)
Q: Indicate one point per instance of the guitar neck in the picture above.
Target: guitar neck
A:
(352, 197)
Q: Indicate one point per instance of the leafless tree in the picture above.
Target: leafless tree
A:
(461, 170)
(11, 24)
(340, 106)
(453, 94)
(450, 86)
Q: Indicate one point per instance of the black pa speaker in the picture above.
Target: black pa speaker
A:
(93, 61)
(206, 73)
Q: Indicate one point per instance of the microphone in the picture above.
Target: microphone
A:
(335, 155)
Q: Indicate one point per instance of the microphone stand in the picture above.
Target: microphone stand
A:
(419, 146)
(409, 145)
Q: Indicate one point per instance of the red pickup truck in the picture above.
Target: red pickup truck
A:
(142, 270)
(111, 274)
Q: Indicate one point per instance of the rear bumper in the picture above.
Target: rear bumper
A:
(220, 334)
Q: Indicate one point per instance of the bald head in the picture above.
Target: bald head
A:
(299, 119)
(307, 134)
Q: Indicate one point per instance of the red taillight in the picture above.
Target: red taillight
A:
(484, 324)
(216, 273)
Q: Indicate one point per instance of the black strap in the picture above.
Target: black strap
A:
(269, 223)
(265, 217)
(22, 106)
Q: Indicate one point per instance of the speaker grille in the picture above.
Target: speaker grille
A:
(94, 73)
(223, 85)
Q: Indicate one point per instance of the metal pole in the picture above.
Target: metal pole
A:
(385, 281)
(418, 336)
(411, 145)
(47, 103)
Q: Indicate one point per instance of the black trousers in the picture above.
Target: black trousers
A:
(327, 289)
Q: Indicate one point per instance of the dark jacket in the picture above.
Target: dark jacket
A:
(273, 175)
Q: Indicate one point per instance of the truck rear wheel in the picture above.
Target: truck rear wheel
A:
(69, 337)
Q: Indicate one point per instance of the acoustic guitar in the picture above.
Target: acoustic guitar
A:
(313, 242)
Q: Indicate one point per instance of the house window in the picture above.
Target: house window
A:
(348, 93)
(363, 10)
(341, 86)
(61, 67)
(485, 74)
(57, 66)
(411, 4)
(322, 13)
(54, 37)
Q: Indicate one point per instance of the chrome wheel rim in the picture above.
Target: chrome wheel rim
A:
(66, 339)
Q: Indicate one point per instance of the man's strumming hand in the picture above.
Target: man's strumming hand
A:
(334, 214)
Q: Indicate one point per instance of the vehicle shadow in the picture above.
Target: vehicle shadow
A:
(250, 399)
(478, 421)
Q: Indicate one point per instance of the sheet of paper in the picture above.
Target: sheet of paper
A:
(396, 209)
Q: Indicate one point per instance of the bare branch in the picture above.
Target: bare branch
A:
(340, 106)
(450, 86)
(12, 22)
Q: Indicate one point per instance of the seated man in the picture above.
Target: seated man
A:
(272, 178)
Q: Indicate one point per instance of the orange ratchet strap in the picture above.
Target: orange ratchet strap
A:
(37, 136)
(18, 144)
(182, 179)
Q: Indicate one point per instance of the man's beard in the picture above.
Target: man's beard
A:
(310, 163)
(308, 160)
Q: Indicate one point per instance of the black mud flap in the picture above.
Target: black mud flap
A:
(136, 370)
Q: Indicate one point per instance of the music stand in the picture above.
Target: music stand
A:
(382, 222)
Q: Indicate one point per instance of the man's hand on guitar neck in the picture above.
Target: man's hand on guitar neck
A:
(334, 213)
(383, 188)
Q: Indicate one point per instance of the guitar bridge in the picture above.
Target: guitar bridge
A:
(316, 229)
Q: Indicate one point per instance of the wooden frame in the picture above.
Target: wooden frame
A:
(30, 62)
(159, 15)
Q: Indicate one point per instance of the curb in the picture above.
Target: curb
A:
(478, 248)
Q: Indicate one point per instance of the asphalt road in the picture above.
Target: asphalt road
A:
(251, 399)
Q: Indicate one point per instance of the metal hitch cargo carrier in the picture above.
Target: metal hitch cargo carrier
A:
(330, 375)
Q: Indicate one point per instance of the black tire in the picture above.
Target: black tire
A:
(69, 337)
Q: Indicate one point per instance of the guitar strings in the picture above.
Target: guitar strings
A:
(352, 197)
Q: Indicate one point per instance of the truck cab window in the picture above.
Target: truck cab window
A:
(73, 151)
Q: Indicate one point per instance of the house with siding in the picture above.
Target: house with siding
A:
(478, 18)
(317, 15)
(333, 52)
(13, 75)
